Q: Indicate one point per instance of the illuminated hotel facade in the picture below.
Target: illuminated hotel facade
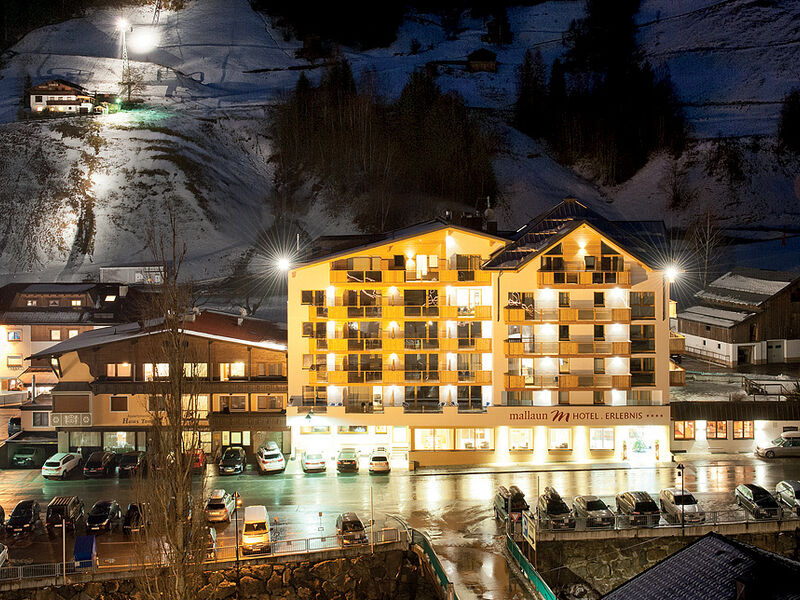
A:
(453, 346)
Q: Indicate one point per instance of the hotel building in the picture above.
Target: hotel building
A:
(451, 345)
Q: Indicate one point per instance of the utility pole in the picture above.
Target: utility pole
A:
(64, 547)
(371, 523)
(680, 468)
(236, 517)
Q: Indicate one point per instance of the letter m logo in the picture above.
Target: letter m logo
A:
(560, 415)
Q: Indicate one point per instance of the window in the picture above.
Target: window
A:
(353, 429)
(31, 303)
(590, 262)
(71, 333)
(195, 406)
(76, 302)
(55, 335)
(601, 438)
(315, 429)
(195, 370)
(268, 402)
(41, 419)
(118, 370)
(433, 439)
(563, 333)
(275, 369)
(743, 430)
(14, 361)
(53, 302)
(119, 404)
(599, 332)
(717, 430)
(643, 338)
(598, 397)
(231, 370)
(563, 366)
(238, 403)
(312, 297)
(683, 430)
(563, 299)
(599, 366)
(520, 439)
(563, 397)
(560, 439)
(643, 371)
(155, 371)
(14, 335)
(38, 99)
(599, 299)
(474, 439)
(111, 298)
(643, 305)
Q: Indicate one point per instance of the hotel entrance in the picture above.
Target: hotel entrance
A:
(642, 445)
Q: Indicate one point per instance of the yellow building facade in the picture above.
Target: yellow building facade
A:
(452, 346)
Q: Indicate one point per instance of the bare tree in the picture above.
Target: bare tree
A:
(708, 242)
(173, 545)
(132, 82)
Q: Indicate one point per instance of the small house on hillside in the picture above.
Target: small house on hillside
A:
(61, 96)
(482, 60)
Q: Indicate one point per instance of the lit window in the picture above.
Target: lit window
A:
(55, 335)
(560, 439)
(239, 403)
(195, 370)
(520, 439)
(71, 333)
(41, 419)
(683, 430)
(31, 303)
(474, 439)
(433, 439)
(14, 361)
(743, 430)
(601, 438)
(111, 298)
(118, 370)
(76, 302)
(231, 370)
(315, 429)
(155, 371)
(717, 430)
(14, 335)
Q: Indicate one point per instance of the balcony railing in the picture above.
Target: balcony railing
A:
(677, 343)
(525, 347)
(584, 278)
(566, 381)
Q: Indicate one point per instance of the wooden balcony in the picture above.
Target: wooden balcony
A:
(567, 381)
(594, 315)
(448, 377)
(589, 348)
(466, 277)
(585, 279)
(677, 375)
(677, 343)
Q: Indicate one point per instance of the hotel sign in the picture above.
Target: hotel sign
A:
(71, 419)
(589, 415)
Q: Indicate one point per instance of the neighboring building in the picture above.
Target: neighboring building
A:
(747, 316)
(482, 60)
(450, 345)
(58, 95)
(34, 316)
(106, 383)
(147, 273)
(715, 567)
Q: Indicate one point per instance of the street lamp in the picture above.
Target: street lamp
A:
(124, 27)
(236, 502)
(680, 468)
(283, 263)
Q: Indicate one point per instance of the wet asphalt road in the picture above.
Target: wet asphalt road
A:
(454, 508)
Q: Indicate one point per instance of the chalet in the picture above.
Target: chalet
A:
(482, 60)
(747, 316)
(109, 383)
(60, 96)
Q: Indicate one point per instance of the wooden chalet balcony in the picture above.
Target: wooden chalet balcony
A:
(677, 343)
(570, 348)
(581, 278)
(566, 381)
(677, 375)
(594, 315)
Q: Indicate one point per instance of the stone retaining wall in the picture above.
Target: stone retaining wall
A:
(605, 564)
(394, 574)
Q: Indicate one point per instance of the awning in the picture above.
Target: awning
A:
(44, 376)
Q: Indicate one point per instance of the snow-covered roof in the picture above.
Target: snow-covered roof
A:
(43, 317)
(747, 287)
(714, 316)
(58, 288)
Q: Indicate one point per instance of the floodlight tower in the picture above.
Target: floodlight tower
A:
(123, 26)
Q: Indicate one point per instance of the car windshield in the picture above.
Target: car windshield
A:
(352, 526)
(216, 505)
(596, 505)
(22, 511)
(129, 459)
(557, 507)
(760, 493)
(347, 455)
(255, 527)
(101, 508)
(684, 500)
(379, 459)
(778, 441)
(272, 455)
(314, 457)
(230, 454)
(25, 452)
(52, 463)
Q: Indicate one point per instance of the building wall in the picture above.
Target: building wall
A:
(763, 432)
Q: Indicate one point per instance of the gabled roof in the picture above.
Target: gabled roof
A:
(208, 324)
(718, 317)
(52, 84)
(645, 240)
(745, 287)
(710, 569)
(330, 247)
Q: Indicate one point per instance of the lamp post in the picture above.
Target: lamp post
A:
(680, 468)
(236, 500)
(124, 26)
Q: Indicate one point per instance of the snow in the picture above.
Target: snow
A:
(754, 285)
(714, 316)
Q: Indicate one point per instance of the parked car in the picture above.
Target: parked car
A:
(508, 500)
(787, 444)
(100, 464)
(270, 459)
(640, 508)
(554, 511)
(255, 530)
(68, 510)
(14, 425)
(28, 457)
(312, 462)
(232, 461)
(24, 517)
(132, 463)
(350, 529)
(757, 501)
(347, 460)
(379, 462)
(197, 460)
(788, 492)
(3, 555)
(60, 465)
(135, 518)
(219, 507)
(592, 511)
(677, 504)
(105, 514)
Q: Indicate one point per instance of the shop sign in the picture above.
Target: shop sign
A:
(136, 420)
(579, 415)
(71, 419)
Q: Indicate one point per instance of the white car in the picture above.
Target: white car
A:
(269, 459)
(219, 507)
(60, 465)
(313, 461)
(379, 462)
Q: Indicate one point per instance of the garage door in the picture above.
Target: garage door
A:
(775, 352)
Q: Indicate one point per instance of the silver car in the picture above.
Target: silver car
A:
(219, 507)
(592, 511)
(677, 503)
(787, 444)
(788, 492)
